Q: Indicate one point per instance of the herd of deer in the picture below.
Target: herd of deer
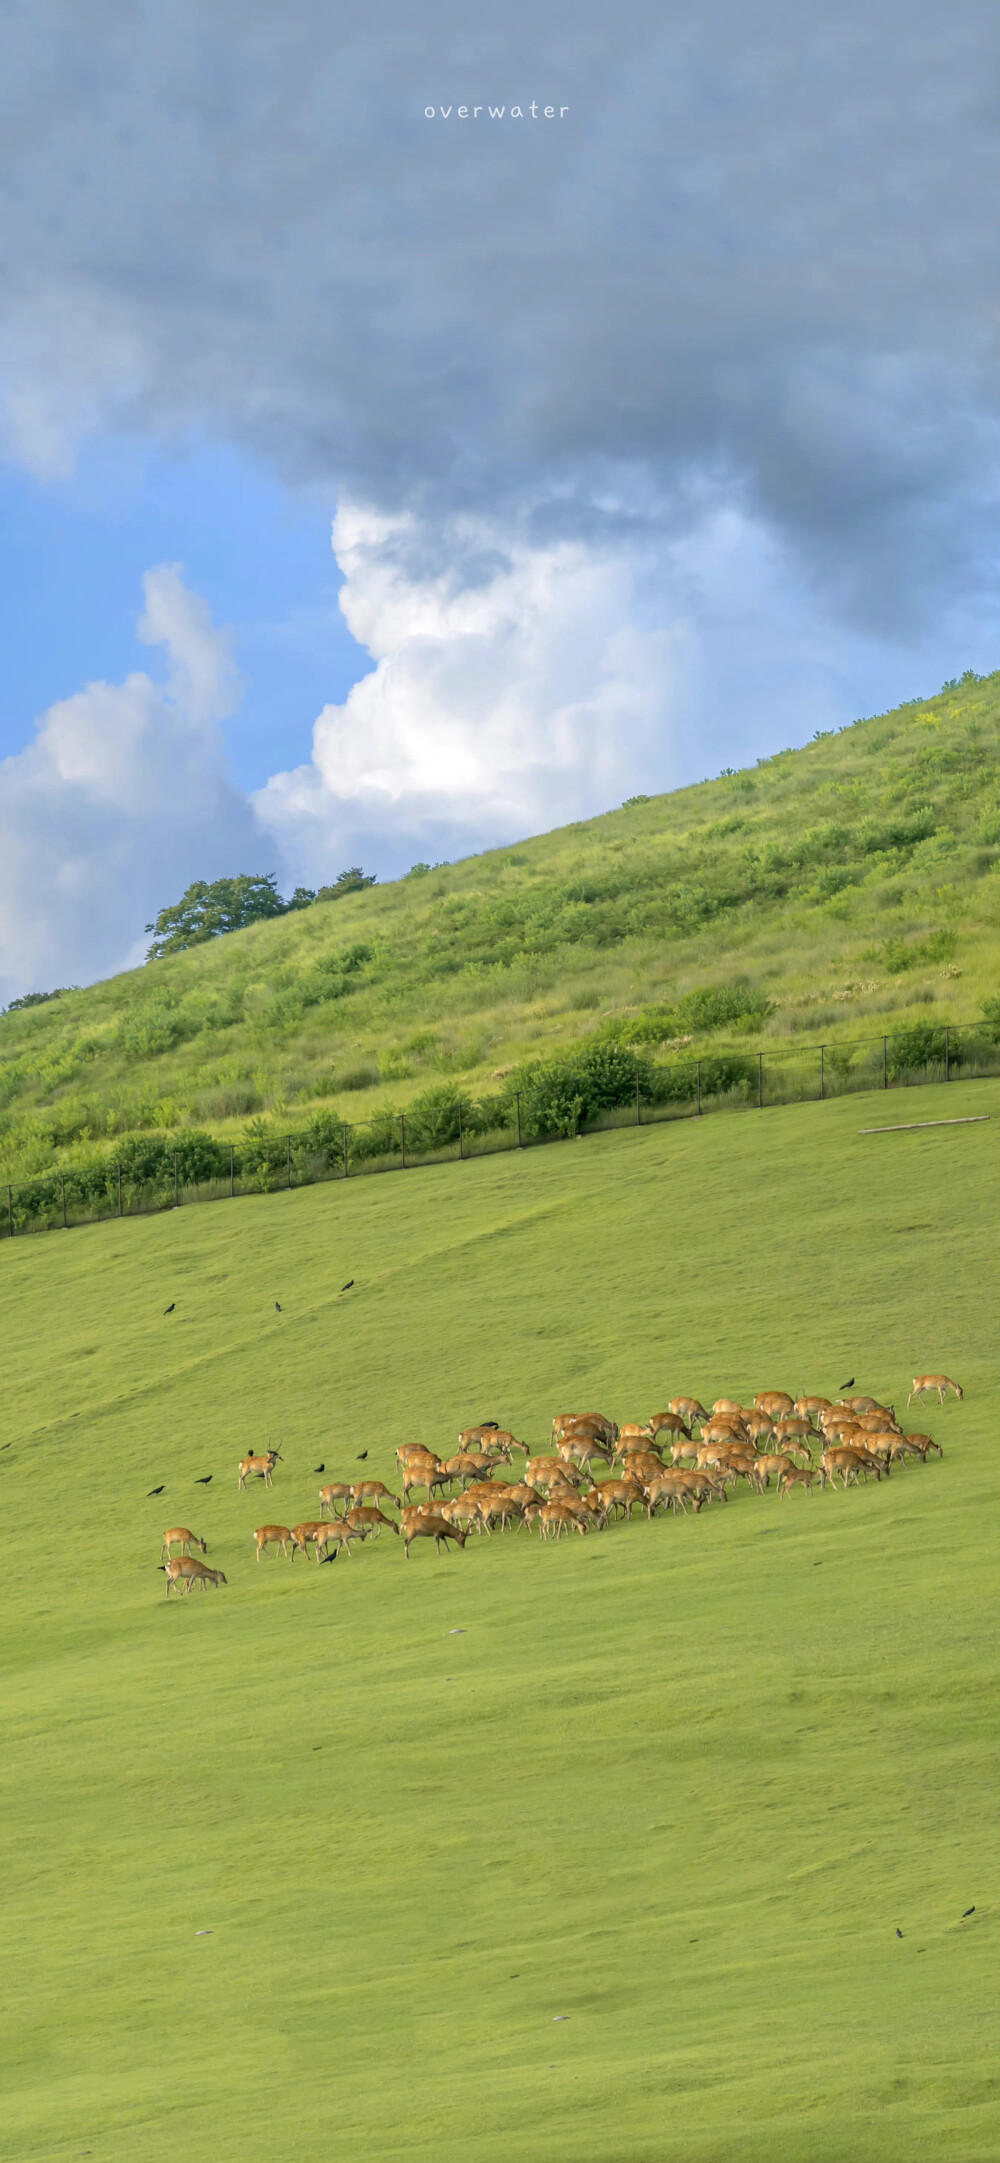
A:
(857, 1438)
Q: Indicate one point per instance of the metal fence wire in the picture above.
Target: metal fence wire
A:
(154, 1174)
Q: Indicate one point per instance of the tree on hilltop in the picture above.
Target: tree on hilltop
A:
(210, 908)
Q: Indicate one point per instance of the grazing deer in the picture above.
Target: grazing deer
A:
(941, 1382)
(794, 1424)
(257, 1467)
(186, 1570)
(414, 1453)
(618, 1495)
(372, 1491)
(808, 1405)
(778, 1465)
(541, 1471)
(271, 1535)
(690, 1408)
(338, 1491)
(727, 1404)
(849, 1463)
(476, 1438)
(910, 1445)
(179, 1536)
(554, 1520)
(672, 1488)
(775, 1401)
(368, 1521)
(312, 1534)
(582, 1450)
(681, 1450)
(666, 1423)
(758, 1425)
(434, 1528)
(804, 1476)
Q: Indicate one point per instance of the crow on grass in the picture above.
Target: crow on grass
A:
(348, 1286)
(154, 1491)
(277, 1308)
(319, 1468)
(362, 1454)
(206, 1482)
(170, 1309)
(849, 1384)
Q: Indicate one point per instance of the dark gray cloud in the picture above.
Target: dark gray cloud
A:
(756, 257)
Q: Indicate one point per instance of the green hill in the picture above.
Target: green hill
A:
(808, 898)
(323, 1864)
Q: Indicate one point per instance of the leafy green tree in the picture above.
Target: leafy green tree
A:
(37, 998)
(347, 882)
(206, 910)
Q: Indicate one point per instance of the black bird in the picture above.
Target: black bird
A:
(277, 1308)
(206, 1482)
(849, 1384)
(154, 1491)
(170, 1309)
(362, 1454)
(968, 1911)
(330, 1558)
(899, 1933)
(319, 1468)
(348, 1286)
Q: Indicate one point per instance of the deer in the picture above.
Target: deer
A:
(778, 1465)
(179, 1536)
(434, 1528)
(372, 1491)
(337, 1491)
(666, 1423)
(582, 1450)
(554, 1520)
(794, 1425)
(271, 1536)
(474, 1438)
(541, 1471)
(368, 1521)
(313, 1534)
(806, 1406)
(849, 1463)
(414, 1453)
(672, 1487)
(804, 1476)
(257, 1467)
(774, 1401)
(690, 1408)
(941, 1382)
(900, 1447)
(186, 1570)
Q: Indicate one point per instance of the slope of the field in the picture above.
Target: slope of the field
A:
(843, 883)
(292, 1868)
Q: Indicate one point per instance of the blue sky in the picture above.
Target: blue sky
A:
(72, 554)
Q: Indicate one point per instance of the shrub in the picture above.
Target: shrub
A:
(990, 1011)
(432, 1121)
(150, 1029)
(922, 1046)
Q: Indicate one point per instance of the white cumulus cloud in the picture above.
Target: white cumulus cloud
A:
(119, 801)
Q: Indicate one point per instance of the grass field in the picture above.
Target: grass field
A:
(677, 1787)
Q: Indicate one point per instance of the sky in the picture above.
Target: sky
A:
(383, 477)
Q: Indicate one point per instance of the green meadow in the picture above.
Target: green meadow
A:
(825, 896)
(328, 1862)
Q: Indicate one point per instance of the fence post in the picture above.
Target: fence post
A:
(885, 1062)
(10, 1212)
(638, 1114)
(176, 1201)
(760, 1081)
(119, 1190)
(64, 1204)
(288, 1160)
(232, 1171)
(699, 1089)
(461, 1144)
(517, 1100)
(347, 1162)
(402, 1139)
(947, 1054)
(822, 1072)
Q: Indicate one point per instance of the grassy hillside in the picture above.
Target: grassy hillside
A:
(829, 888)
(665, 1805)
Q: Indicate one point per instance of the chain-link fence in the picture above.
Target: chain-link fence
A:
(154, 1173)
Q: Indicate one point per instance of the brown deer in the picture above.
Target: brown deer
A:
(313, 1534)
(582, 1450)
(666, 1423)
(271, 1536)
(764, 1467)
(434, 1528)
(257, 1467)
(774, 1401)
(849, 1463)
(690, 1408)
(941, 1382)
(672, 1488)
(338, 1491)
(806, 1406)
(554, 1520)
(804, 1476)
(186, 1570)
(367, 1521)
(179, 1536)
(541, 1471)
(373, 1491)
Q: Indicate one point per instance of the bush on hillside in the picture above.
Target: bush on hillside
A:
(922, 1046)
